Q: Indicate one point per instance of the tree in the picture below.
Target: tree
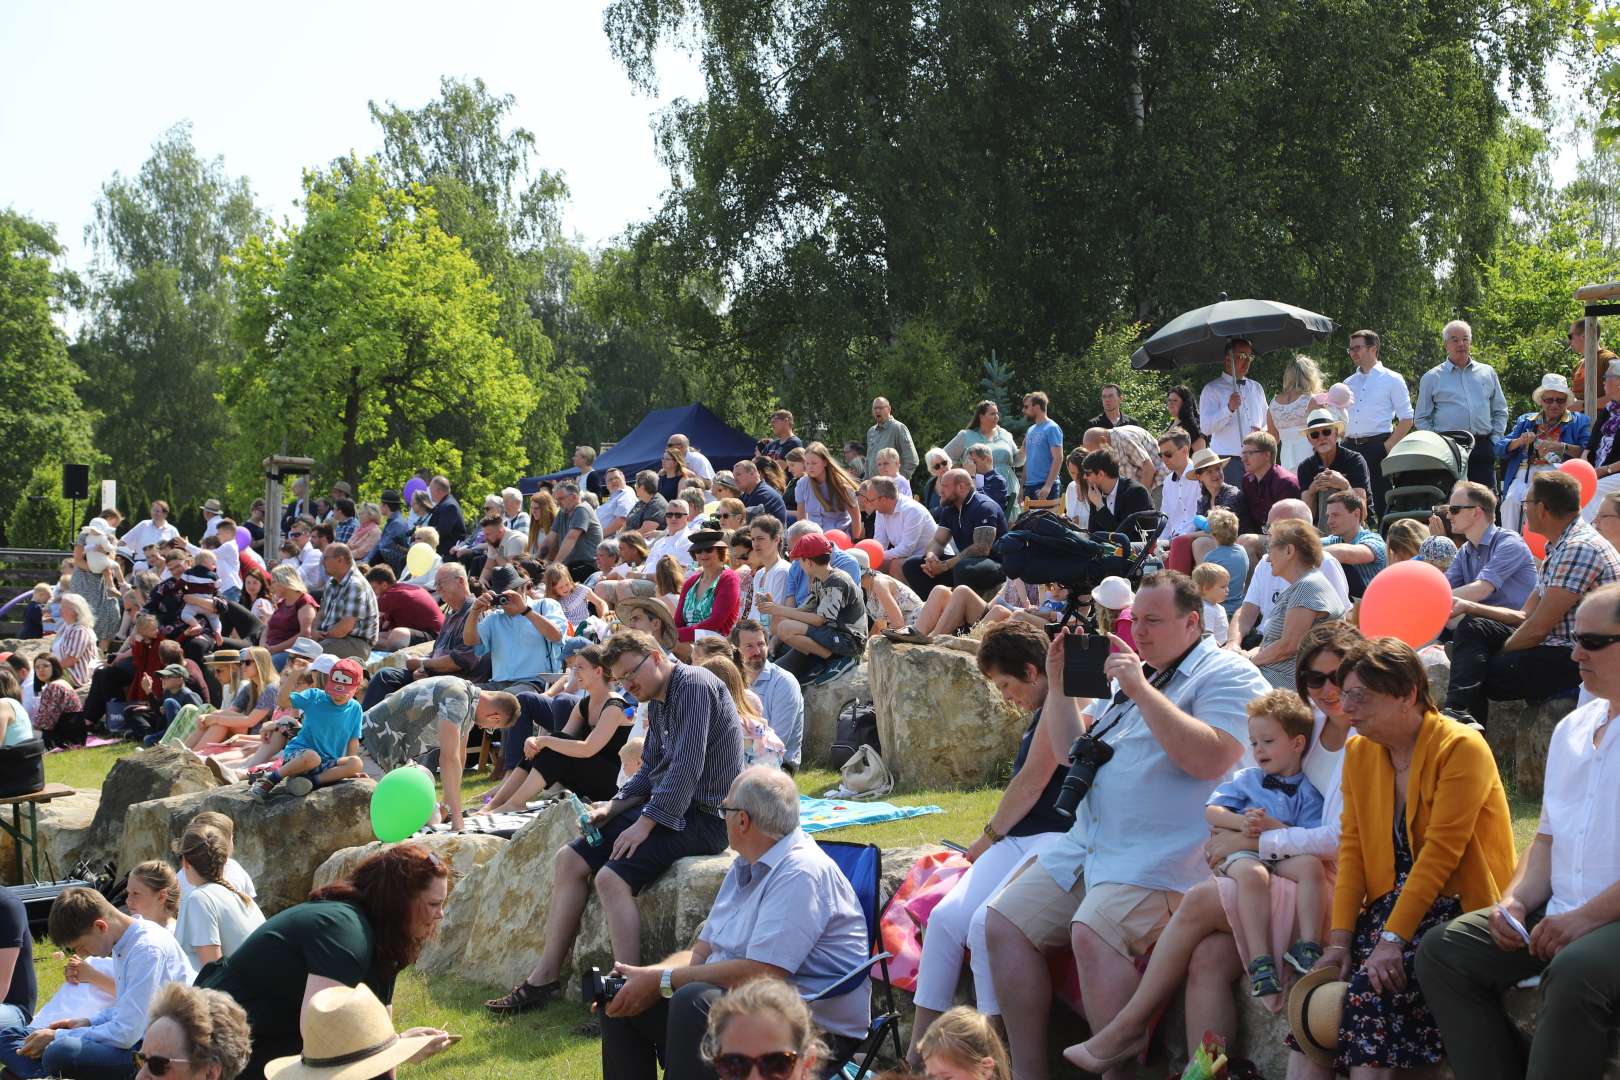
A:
(42, 423)
(157, 331)
(478, 178)
(367, 332)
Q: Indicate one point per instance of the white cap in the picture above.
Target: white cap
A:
(324, 664)
(1113, 593)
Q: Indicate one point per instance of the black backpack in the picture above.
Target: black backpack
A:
(22, 768)
(857, 724)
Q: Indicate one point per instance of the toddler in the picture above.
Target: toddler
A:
(1274, 795)
(200, 581)
(888, 464)
(630, 758)
(327, 746)
(983, 467)
(1213, 583)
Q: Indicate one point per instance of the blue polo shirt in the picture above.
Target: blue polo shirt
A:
(516, 649)
(976, 511)
(768, 499)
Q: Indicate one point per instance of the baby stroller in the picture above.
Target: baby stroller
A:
(1044, 549)
(1422, 470)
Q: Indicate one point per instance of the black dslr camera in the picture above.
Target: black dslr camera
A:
(1088, 754)
(599, 988)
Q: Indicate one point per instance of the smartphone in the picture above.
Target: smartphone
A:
(954, 846)
(1083, 658)
(1518, 927)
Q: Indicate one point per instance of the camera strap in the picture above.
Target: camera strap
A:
(1159, 679)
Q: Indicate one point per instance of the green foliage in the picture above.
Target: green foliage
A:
(920, 372)
(996, 385)
(41, 419)
(40, 517)
(367, 332)
(157, 333)
(1075, 382)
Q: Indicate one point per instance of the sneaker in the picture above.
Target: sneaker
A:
(524, 996)
(832, 669)
(261, 788)
(1263, 977)
(299, 785)
(1303, 955)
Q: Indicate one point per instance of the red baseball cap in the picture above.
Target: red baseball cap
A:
(346, 673)
(811, 546)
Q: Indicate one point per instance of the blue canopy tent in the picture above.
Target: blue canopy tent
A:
(643, 448)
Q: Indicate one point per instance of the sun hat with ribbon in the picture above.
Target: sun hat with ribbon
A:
(1315, 1004)
(347, 1035)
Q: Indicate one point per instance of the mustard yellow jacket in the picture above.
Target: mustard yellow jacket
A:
(1457, 822)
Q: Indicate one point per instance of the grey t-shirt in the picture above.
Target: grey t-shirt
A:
(840, 601)
(213, 915)
(584, 518)
(1312, 591)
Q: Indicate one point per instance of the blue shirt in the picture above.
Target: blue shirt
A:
(795, 910)
(516, 648)
(1235, 561)
(1038, 443)
(1502, 560)
(992, 487)
(1357, 576)
(395, 540)
(784, 707)
(328, 726)
(798, 586)
(1452, 398)
(976, 511)
(145, 957)
(1247, 789)
(768, 499)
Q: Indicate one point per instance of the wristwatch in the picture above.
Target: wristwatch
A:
(993, 836)
(666, 986)
(1393, 938)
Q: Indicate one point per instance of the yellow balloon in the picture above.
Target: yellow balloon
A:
(418, 559)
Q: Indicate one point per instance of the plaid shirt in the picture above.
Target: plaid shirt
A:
(1580, 560)
(350, 597)
(343, 531)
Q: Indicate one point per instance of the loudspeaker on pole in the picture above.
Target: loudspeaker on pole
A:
(75, 481)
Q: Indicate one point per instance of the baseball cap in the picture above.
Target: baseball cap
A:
(503, 579)
(346, 672)
(862, 560)
(172, 671)
(572, 645)
(324, 664)
(811, 546)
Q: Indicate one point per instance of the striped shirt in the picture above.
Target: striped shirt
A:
(693, 751)
(75, 647)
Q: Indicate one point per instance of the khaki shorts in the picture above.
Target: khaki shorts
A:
(1128, 917)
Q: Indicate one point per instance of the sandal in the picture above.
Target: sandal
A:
(1303, 955)
(908, 635)
(1263, 977)
(524, 996)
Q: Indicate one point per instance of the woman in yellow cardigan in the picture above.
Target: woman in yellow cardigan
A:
(1425, 836)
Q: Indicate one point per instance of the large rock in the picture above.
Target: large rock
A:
(462, 852)
(27, 648)
(397, 659)
(1438, 667)
(1533, 725)
(64, 826)
(821, 705)
(157, 773)
(280, 842)
(942, 724)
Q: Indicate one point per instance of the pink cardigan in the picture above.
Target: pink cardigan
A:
(722, 616)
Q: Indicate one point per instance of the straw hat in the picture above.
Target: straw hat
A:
(654, 609)
(1323, 418)
(1203, 459)
(347, 1036)
(1315, 1004)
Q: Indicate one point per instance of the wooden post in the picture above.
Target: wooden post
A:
(1592, 296)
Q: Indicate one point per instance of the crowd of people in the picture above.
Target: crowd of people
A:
(1281, 797)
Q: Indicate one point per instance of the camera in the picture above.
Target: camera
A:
(1088, 754)
(599, 988)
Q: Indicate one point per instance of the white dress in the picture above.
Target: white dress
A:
(1290, 421)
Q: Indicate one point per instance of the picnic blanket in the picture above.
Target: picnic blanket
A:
(815, 815)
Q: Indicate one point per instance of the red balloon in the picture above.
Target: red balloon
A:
(1410, 600)
(1537, 542)
(1582, 471)
(840, 539)
(874, 552)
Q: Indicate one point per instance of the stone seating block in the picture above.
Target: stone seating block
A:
(942, 723)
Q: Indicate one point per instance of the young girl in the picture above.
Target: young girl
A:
(1213, 584)
(761, 745)
(216, 916)
(234, 874)
(961, 1045)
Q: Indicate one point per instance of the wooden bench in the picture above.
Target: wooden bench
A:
(24, 823)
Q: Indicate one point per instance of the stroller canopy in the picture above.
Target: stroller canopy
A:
(1426, 452)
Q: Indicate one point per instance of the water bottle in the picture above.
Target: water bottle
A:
(592, 835)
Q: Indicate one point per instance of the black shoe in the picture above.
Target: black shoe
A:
(524, 996)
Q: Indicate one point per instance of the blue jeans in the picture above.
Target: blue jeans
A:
(69, 1055)
(233, 595)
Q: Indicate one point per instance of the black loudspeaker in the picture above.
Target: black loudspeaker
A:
(75, 481)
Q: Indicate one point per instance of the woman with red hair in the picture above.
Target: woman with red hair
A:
(365, 929)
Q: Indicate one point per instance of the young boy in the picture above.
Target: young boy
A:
(828, 631)
(145, 957)
(983, 467)
(1213, 584)
(1274, 795)
(888, 464)
(327, 746)
(176, 694)
(630, 757)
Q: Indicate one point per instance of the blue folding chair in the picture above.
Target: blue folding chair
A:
(862, 865)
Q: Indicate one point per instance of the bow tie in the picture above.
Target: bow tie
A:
(1277, 783)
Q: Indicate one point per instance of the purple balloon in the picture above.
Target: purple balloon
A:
(244, 539)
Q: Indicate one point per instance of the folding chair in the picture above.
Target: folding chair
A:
(862, 865)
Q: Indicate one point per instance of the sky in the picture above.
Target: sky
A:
(87, 86)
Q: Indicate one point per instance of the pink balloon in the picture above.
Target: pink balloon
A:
(244, 539)
(840, 539)
(1410, 600)
(1583, 472)
(874, 552)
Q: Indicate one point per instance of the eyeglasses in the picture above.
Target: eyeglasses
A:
(1594, 642)
(1167, 454)
(1356, 697)
(627, 676)
(939, 466)
(676, 513)
(158, 1065)
(777, 1065)
(730, 809)
(1551, 399)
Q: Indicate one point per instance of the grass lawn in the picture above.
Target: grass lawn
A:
(545, 1044)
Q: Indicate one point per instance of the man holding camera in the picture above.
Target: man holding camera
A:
(785, 911)
(1174, 727)
(521, 636)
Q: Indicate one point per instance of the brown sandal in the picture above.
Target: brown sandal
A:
(525, 996)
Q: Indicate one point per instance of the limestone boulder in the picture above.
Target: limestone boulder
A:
(157, 773)
(821, 705)
(397, 659)
(672, 909)
(1534, 727)
(942, 724)
(280, 842)
(64, 826)
(1437, 665)
(463, 853)
(27, 648)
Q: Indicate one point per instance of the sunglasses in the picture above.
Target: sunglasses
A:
(676, 513)
(1319, 433)
(777, 1065)
(1315, 680)
(1457, 508)
(156, 1064)
(1594, 642)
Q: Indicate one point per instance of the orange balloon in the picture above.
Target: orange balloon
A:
(874, 552)
(840, 539)
(1537, 542)
(1410, 600)
(1582, 471)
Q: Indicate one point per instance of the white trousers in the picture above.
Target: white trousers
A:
(1513, 498)
(957, 924)
(1605, 485)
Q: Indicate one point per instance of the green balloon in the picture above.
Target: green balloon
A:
(403, 803)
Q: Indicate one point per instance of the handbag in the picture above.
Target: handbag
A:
(856, 727)
(865, 776)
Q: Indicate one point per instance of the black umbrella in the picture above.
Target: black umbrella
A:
(1200, 336)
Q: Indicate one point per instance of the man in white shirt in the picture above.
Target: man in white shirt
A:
(308, 559)
(1264, 586)
(676, 543)
(1381, 415)
(694, 458)
(1179, 502)
(618, 504)
(1559, 918)
(227, 559)
(1231, 406)
(154, 530)
(903, 526)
